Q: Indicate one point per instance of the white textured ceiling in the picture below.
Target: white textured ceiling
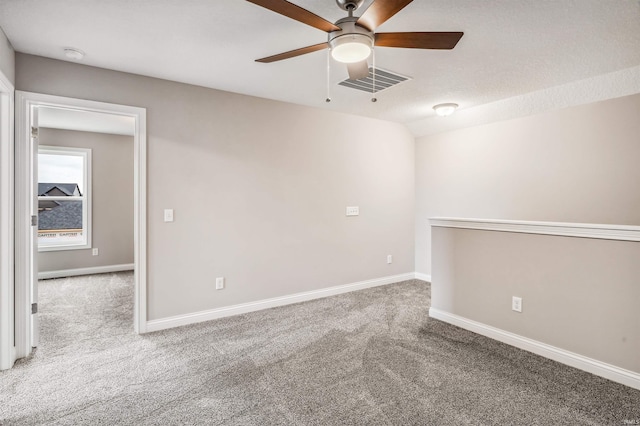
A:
(510, 47)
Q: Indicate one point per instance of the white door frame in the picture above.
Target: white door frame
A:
(7, 343)
(24, 153)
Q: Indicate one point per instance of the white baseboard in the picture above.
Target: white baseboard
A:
(423, 277)
(608, 371)
(85, 271)
(196, 317)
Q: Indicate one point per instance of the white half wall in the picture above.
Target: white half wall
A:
(578, 288)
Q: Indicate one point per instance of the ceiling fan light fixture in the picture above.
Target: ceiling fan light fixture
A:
(351, 48)
(444, 110)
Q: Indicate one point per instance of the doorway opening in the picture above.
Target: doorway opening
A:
(85, 228)
(54, 117)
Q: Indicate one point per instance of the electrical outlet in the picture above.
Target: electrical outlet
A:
(516, 304)
(219, 283)
(389, 258)
(353, 211)
(95, 252)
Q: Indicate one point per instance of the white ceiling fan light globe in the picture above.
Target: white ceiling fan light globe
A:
(350, 53)
(351, 48)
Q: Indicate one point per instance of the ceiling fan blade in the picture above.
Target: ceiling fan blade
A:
(380, 11)
(425, 40)
(294, 53)
(358, 70)
(297, 13)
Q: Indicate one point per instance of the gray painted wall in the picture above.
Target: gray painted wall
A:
(112, 200)
(578, 164)
(259, 189)
(7, 58)
(578, 294)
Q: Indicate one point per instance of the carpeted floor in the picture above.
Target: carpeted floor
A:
(371, 357)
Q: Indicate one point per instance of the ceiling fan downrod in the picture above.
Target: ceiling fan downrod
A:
(349, 5)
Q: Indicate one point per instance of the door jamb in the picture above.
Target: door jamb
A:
(24, 102)
(7, 335)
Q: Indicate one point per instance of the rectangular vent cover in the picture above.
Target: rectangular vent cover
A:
(384, 80)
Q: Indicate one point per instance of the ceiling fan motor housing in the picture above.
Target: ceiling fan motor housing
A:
(349, 4)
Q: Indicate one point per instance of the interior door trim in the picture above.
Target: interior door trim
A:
(7, 245)
(24, 103)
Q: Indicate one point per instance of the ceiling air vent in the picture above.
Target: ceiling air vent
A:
(384, 80)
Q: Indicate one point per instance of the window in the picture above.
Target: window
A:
(64, 198)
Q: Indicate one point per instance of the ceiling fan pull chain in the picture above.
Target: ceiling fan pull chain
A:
(373, 71)
(328, 76)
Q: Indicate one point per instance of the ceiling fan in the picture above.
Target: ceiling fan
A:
(352, 39)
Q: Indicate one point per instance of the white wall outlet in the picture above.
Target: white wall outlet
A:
(516, 304)
(389, 258)
(95, 252)
(219, 283)
(168, 215)
(353, 211)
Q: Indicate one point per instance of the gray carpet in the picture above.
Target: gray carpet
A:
(371, 357)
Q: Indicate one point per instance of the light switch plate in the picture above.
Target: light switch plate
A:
(168, 215)
(353, 211)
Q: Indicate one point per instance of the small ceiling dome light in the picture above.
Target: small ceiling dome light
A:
(73, 53)
(444, 110)
(351, 48)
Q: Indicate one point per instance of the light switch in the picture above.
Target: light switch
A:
(353, 211)
(168, 215)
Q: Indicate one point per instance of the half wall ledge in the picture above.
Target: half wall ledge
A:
(567, 229)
